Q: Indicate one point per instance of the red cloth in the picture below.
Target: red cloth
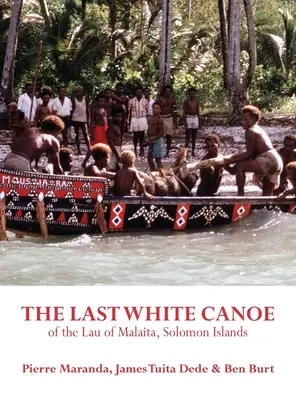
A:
(99, 134)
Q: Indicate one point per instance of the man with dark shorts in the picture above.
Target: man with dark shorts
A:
(168, 112)
(260, 158)
(33, 143)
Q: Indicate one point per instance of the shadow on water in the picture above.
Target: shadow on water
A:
(256, 250)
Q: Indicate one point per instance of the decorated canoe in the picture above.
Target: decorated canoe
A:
(73, 205)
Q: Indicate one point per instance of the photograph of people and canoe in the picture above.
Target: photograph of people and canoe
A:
(147, 142)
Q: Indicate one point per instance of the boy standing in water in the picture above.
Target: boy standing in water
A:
(80, 116)
(98, 125)
(192, 118)
(155, 138)
(128, 176)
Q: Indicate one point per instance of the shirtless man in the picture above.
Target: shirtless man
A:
(168, 112)
(291, 176)
(121, 101)
(43, 110)
(210, 178)
(192, 118)
(100, 153)
(155, 138)
(288, 154)
(18, 123)
(33, 143)
(108, 102)
(128, 176)
(98, 125)
(80, 116)
(260, 157)
(115, 139)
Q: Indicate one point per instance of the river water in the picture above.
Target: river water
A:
(258, 250)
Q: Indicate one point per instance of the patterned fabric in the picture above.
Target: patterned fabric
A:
(139, 107)
(271, 165)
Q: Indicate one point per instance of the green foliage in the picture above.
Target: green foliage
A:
(106, 42)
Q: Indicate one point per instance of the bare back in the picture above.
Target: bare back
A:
(257, 141)
(34, 142)
(124, 181)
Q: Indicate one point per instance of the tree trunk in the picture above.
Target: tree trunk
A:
(83, 9)
(224, 38)
(252, 45)
(112, 21)
(45, 13)
(165, 48)
(236, 96)
(10, 53)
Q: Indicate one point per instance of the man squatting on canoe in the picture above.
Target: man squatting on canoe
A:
(107, 121)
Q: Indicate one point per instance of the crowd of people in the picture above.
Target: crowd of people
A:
(41, 126)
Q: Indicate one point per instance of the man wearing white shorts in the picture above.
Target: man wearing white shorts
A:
(138, 108)
(192, 118)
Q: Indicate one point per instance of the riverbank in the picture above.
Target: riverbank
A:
(232, 140)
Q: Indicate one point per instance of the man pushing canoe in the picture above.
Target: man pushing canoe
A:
(33, 143)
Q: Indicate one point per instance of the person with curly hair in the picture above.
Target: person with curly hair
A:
(101, 153)
(128, 176)
(210, 178)
(260, 158)
(33, 143)
(291, 176)
(66, 159)
(288, 155)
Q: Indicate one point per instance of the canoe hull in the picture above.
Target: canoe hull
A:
(70, 207)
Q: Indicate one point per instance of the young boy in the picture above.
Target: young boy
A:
(128, 176)
(100, 153)
(43, 110)
(17, 121)
(288, 154)
(66, 159)
(115, 139)
(80, 116)
(191, 118)
(98, 125)
(291, 176)
(210, 178)
(155, 138)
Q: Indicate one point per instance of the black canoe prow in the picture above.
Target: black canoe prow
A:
(70, 202)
